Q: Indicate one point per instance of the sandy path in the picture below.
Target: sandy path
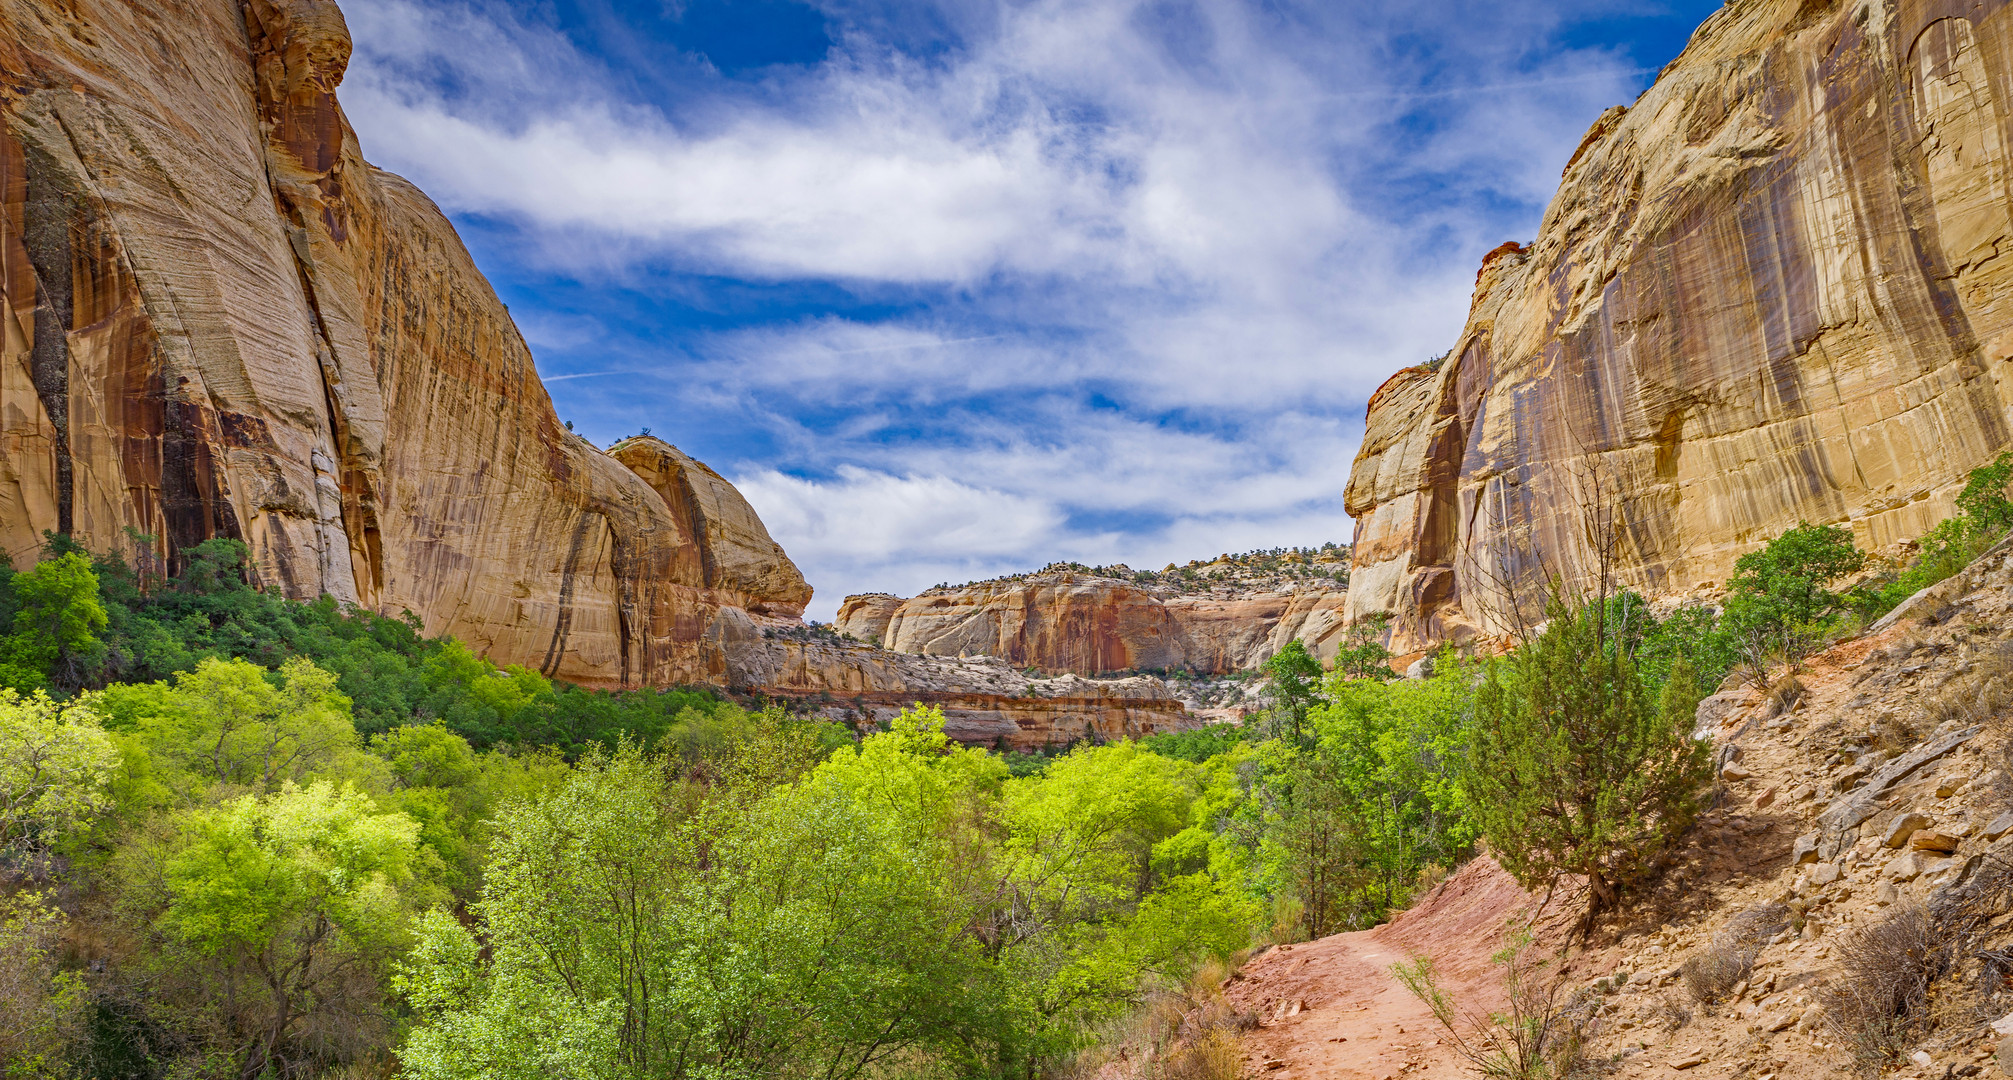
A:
(1332, 1010)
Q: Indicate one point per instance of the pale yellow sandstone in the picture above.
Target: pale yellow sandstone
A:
(1776, 288)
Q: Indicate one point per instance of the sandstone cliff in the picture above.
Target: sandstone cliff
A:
(985, 701)
(221, 321)
(1778, 287)
(1222, 617)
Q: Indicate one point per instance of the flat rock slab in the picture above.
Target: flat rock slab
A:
(1847, 811)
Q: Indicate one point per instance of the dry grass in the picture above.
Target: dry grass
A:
(1543, 1035)
(1217, 1055)
(1181, 1032)
(374, 1067)
(1671, 1013)
(1982, 691)
(1782, 695)
(1879, 1002)
(1728, 960)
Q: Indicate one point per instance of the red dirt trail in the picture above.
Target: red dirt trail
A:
(1332, 1010)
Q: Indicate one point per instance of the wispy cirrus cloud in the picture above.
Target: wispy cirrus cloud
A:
(963, 287)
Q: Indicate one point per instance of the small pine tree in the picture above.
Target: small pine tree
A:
(1362, 654)
(1573, 768)
(1296, 685)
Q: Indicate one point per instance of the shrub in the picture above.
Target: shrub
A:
(1728, 959)
(1777, 601)
(1984, 514)
(1573, 768)
(1217, 1055)
(1362, 654)
(1879, 1002)
(1543, 1033)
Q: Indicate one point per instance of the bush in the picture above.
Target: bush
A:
(1573, 768)
(1362, 654)
(1198, 745)
(1728, 959)
(1878, 1004)
(1542, 1035)
(1777, 601)
(1984, 514)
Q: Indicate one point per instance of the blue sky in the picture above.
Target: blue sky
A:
(952, 288)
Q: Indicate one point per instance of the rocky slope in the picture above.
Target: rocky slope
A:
(222, 321)
(1775, 288)
(1225, 616)
(1877, 785)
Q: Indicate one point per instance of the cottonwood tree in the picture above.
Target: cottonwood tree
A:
(56, 626)
(55, 765)
(289, 905)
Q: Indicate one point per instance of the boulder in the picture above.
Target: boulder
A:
(1805, 850)
(1903, 827)
(1848, 812)
(1715, 711)
(1940, 842)
(1906, 867)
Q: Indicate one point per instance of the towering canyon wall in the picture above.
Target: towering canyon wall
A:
(1777, 288)
(221, 321)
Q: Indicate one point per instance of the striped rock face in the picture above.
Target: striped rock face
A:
(1091, 625)
(1777, 288)
(222, 322)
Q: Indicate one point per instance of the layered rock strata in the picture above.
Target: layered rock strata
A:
(1068, 621)
(1777, 288)
(221, 321)
(986, 701)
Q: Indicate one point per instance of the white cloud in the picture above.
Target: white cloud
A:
(1165, 250)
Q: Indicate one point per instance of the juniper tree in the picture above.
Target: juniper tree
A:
(1574, 768)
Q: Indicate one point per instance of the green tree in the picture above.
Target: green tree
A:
(291, 905)
(1086, 829)
(1362, 654)
(1296, 685)
(227, 723)
(639, 926)
(56, 623)
(1983, 502)
(1778, 599)
(41, 1006)
(1395, 749)
(1309, 838)
(56, 765)
(1573, 768)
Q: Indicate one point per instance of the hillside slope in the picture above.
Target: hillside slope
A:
(1884, 786)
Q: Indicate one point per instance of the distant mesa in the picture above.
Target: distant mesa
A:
(1228, 615)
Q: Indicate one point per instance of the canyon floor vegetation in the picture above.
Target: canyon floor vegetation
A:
(249, 837)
